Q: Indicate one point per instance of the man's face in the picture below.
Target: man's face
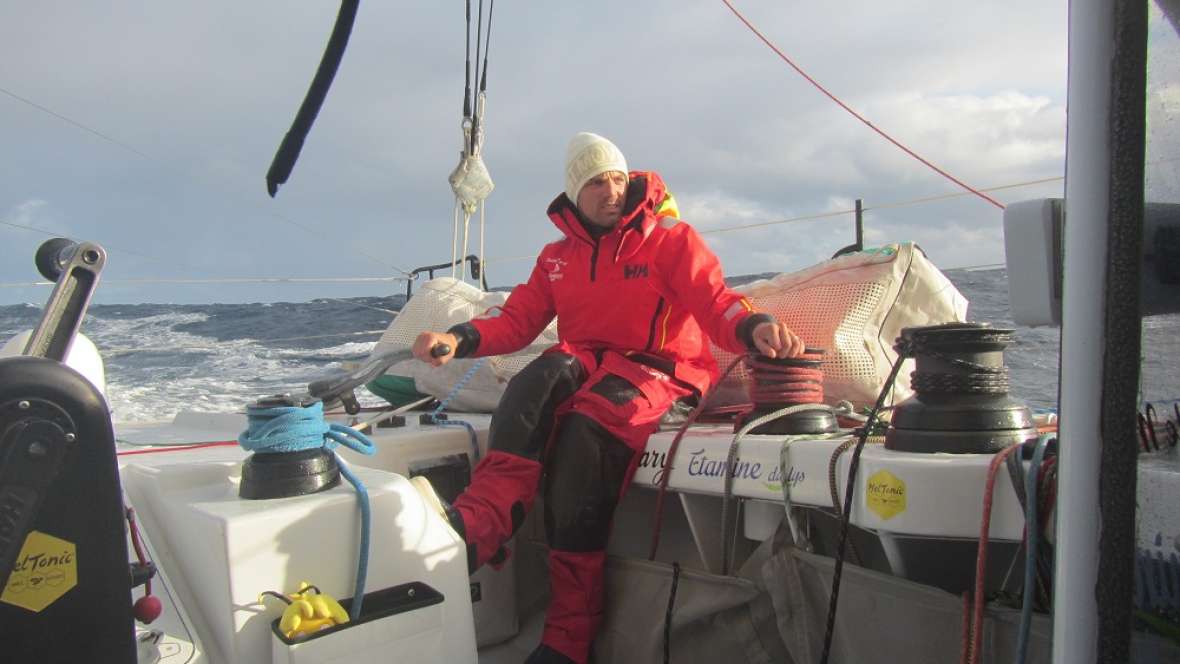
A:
(601, 199)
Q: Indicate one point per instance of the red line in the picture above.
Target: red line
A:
(180, 448)
(134, 530)
(975, 645)
(858, 116)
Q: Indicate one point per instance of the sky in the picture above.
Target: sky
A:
(148, 128)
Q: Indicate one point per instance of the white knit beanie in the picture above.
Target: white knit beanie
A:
(589, 155)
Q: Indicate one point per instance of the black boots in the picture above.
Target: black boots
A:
(546, 655)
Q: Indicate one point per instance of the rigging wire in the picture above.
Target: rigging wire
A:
(838, 213)
(228, 280)
(533, 257)
(483, 82)
(473, 140)
(882, 206)
(856, 115)
(233, 280)
(467, 68)
(311, 231)
(51, 233)
(75, 123)
(230, 192)
(470, 180)
(960, 194)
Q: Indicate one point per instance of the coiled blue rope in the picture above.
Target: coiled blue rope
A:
(292, 429)
(460, 423)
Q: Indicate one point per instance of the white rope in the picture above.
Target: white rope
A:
(455, 239)
(482, 233)
(466, 240)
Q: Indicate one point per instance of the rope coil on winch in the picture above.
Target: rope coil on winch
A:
(976, 383)
(966, 377)
(787, 381)
(279, 429)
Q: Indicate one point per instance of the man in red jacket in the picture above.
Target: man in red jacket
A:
(637, 296)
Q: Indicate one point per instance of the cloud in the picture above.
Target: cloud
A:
(750, 238)
(31, 222)
(207, 91)
(26, 213)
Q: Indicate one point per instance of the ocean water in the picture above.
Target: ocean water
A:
(162, 358)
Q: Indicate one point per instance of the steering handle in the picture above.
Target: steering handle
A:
(340, 386)
(335, 387)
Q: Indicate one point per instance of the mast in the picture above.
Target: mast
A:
(1100, 333)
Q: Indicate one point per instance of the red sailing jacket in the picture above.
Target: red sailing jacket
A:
(648, 286)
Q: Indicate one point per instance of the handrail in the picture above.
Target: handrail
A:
(476, 268)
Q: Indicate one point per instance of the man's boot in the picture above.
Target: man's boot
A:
(453, 517)
(546, 655)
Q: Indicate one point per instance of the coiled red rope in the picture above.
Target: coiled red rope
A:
(789, 381)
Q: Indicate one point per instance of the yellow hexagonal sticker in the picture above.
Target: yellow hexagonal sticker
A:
(45, 569)
(885, 494)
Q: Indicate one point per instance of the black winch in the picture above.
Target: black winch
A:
(960, 403)
(268, 475)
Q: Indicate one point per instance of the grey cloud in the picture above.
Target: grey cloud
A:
(208, 89)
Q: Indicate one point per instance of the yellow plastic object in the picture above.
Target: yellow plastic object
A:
(309, 611)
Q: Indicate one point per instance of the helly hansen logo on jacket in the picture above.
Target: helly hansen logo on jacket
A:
(634, 270)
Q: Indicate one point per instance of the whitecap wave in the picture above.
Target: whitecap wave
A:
(155, 370)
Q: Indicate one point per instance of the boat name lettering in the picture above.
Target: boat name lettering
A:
(651, 459)
(794, 475)
(700, 465)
